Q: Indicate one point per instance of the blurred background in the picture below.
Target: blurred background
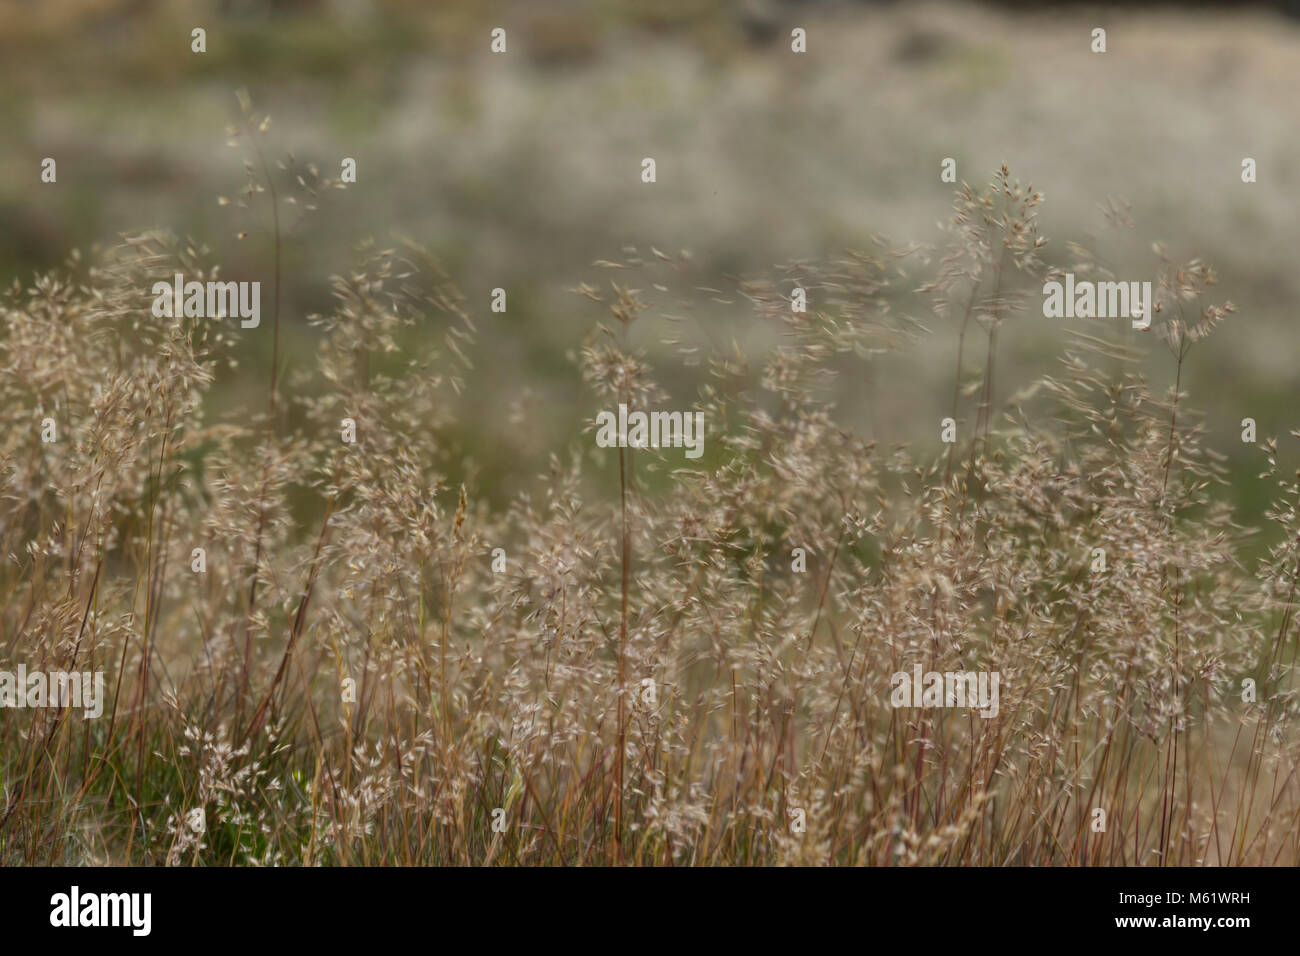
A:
(520, 171)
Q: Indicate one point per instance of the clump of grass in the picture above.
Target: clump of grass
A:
(650, 681)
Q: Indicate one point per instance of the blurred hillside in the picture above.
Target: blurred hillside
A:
(521, 170)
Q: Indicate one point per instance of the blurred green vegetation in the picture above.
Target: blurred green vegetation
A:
(521, 171)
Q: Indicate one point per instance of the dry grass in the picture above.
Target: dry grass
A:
(529, 691)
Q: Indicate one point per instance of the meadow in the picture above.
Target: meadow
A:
(367, 665)
(370, 582)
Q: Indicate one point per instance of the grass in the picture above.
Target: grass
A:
(650, 681)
